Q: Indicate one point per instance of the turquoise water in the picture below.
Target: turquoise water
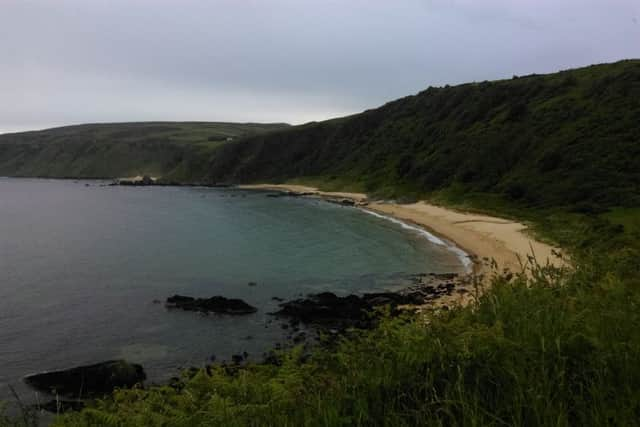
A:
(81, 266)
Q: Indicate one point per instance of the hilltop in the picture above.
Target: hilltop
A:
(113, 150)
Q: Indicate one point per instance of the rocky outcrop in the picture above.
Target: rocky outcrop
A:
(90, 380)
(329, 309)
(216, 304)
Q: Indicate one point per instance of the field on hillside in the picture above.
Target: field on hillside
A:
(118, 149)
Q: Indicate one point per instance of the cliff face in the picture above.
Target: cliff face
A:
(566, 138)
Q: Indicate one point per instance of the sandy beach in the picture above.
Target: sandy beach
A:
(358, 197)
(485, 238)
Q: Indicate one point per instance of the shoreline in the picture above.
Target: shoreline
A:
(483, 238)
(466, 259)
(487, 241)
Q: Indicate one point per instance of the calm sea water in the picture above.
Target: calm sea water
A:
(81, 266)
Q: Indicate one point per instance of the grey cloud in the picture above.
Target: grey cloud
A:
(72, 61)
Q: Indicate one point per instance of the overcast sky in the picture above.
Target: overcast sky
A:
(75, 61)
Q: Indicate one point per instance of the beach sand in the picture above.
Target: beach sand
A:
(488, 238)
(358, 197)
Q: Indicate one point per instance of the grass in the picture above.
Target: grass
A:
(629, 218)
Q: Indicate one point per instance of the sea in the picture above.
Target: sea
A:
(85, 269)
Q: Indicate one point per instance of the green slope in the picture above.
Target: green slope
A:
(118, 149)
(570, 138)
(564, 139)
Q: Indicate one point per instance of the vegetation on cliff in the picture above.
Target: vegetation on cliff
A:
(114, 150)
(564, 139)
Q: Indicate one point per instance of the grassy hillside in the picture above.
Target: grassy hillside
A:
(118, 149)
(565, 139)
(570, 138)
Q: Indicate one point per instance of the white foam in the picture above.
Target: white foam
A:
(462, 255)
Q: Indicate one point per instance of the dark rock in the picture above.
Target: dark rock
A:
(216, 304)
(89, 380)
(277, 299)
(444, 276)
(252, 284)
(352, 310)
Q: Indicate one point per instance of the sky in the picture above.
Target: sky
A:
(78, 61)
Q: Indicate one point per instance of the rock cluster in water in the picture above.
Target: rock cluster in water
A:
(216, 304)
(89, 380)
(324, 311)
(329, 310)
